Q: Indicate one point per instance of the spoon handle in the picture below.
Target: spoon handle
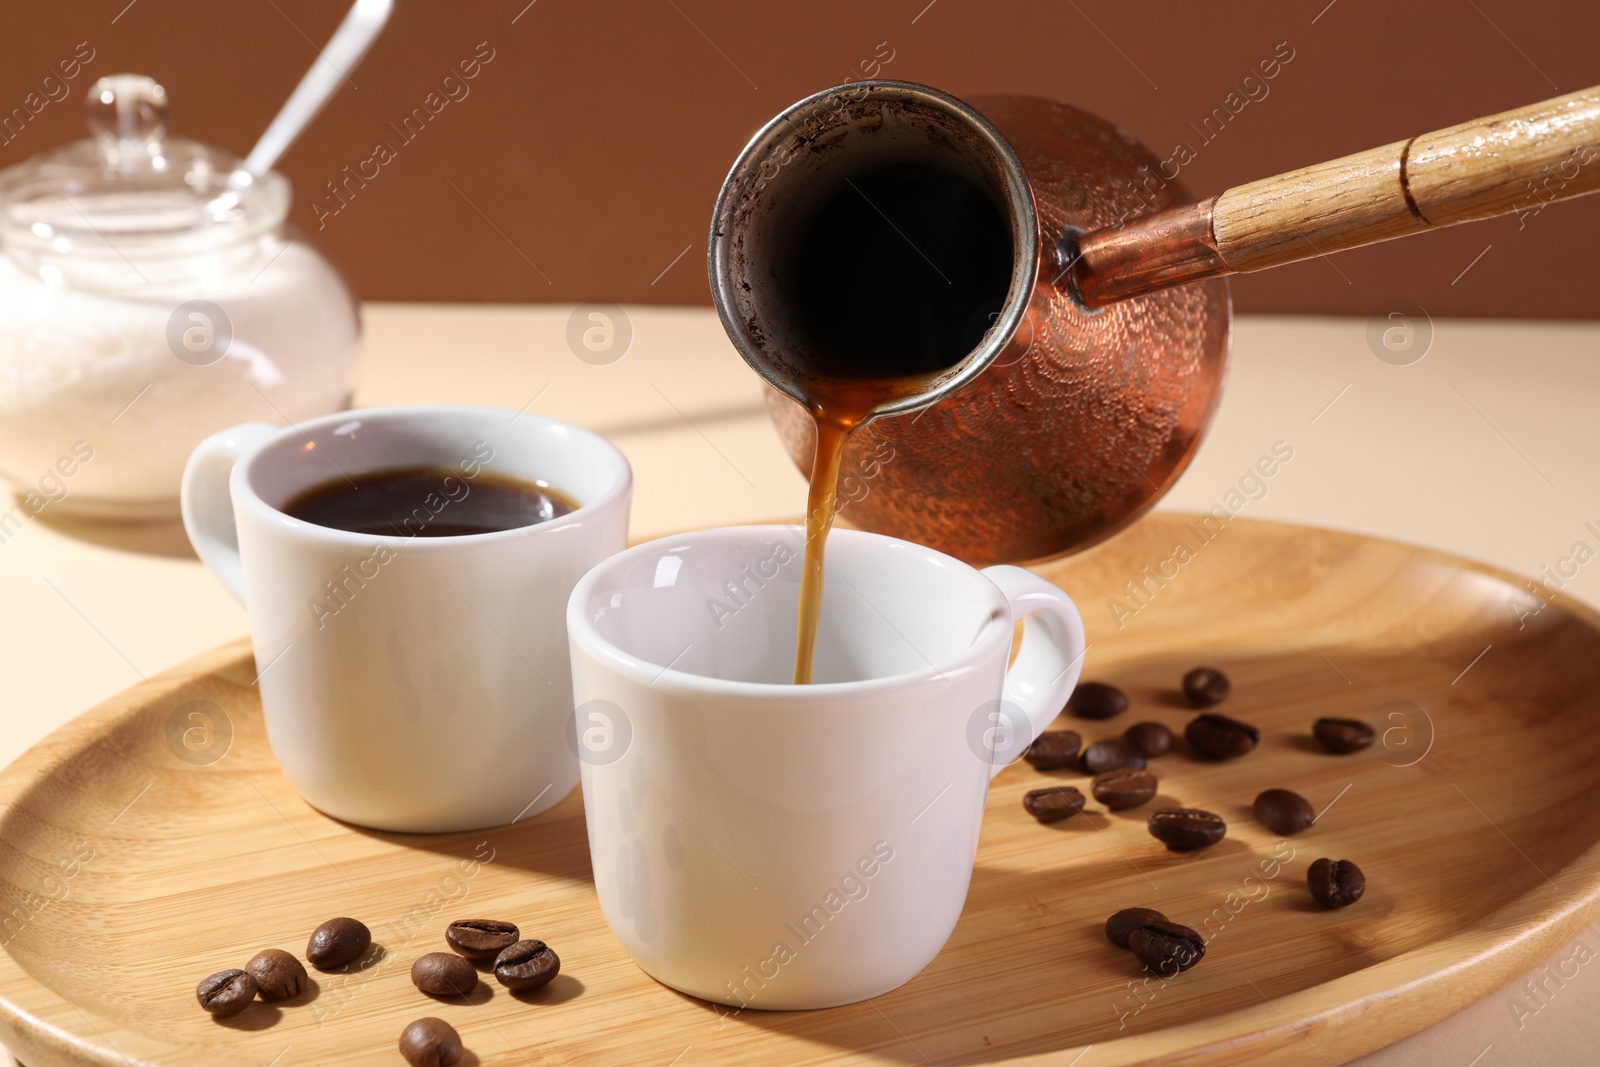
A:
(1513, 162)
(332, 66)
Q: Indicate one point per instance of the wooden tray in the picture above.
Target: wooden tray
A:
(127, 873)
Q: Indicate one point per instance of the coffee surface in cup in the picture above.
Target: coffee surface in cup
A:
(427, 502)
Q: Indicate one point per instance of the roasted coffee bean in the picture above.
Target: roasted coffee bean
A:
(1126, 921)
(1166, 947)
(1283, 811)
(526, 965)
(1342, 736)
(1103, 756)
(1054, 749)
(226, 992)
(481, 939)
(1125, 788)
(337, 942)
(430, 1042)
(278, 974)
(1335, 883)
(1097, 700)
(1149, 739)
(444, 974)
(1186, 829)
(1053, 804)
(1220, 737)
(1206, 687)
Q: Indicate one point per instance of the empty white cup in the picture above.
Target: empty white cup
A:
(767, 845)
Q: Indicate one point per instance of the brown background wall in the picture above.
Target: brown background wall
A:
(589, 149)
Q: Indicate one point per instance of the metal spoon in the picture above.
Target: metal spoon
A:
(333, 64)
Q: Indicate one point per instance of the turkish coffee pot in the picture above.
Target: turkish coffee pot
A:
(1062, 294)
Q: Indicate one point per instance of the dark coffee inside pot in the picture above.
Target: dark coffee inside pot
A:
(898, 275)
(900, 272)
(427, 502)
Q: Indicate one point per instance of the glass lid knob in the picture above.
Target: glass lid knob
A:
(128, 116)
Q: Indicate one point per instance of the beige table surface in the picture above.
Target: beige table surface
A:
(1486, 448)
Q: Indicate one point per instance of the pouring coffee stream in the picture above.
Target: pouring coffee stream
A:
(1065, 350)
(879, 329)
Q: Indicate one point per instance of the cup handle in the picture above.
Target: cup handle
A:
(207, 504)
(1046, 671)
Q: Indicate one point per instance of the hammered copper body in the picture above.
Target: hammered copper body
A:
(1089, 395)
(1087, 417)
(1081, 419)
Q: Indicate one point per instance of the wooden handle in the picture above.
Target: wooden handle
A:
(1516, 161)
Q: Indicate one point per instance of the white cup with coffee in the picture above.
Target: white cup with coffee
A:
(767, 845)
(408, 625)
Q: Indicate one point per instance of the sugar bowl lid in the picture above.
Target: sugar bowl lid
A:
(130, 190)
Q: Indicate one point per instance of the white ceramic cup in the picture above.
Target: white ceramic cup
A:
(761, 844)
(409, 682)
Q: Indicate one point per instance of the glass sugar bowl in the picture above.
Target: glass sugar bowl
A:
(149, 297)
